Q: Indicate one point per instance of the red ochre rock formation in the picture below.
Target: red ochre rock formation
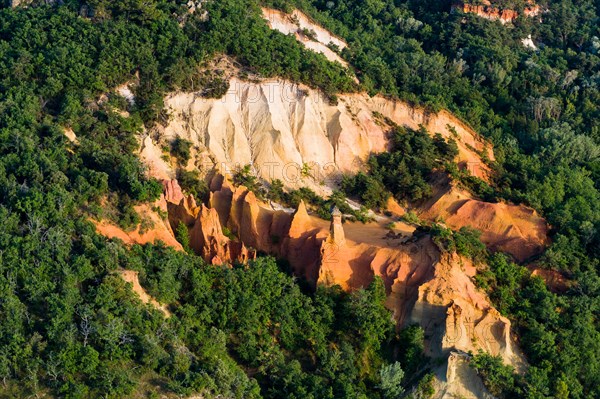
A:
(427, 287)
(493, 12)
(172, 191)
(207, 238)
(424, 285)
(514, 229)
(456, 315)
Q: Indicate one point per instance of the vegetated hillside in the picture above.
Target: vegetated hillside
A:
(540, 110)
(71, 327)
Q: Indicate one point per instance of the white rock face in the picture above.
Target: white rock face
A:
(70, 134)
(292, 133)
(457, 379)
(456, 316)
(528, 43)
(125, 91)
(295, 23)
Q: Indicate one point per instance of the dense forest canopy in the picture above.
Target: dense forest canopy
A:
(69, 327)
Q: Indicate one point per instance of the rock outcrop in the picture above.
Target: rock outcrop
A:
(514, 229)
(457, 316)
(293, 133)
(554, 280)
(152, 156)
(20, 3)
(423, 284)
(207, 238)
(336, 231)
(457, 379)
(306, 31)
(485, 9)
(70, 135)
(426, 287)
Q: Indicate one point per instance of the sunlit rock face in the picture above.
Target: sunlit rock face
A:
(495, 11)
(290, 132)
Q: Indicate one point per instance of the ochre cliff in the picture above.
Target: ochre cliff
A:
(204, 228)
(281, 127)
(457, 379)
(491, 11)
(424, 285)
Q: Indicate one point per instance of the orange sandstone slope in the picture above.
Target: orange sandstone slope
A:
(154, 228)
(424, 285)
(514, 229)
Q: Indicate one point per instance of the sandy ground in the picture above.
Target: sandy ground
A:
(373, 233)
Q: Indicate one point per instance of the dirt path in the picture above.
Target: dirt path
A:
(132, 277)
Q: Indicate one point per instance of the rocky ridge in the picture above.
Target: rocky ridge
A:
(306, 31)
(424, 285)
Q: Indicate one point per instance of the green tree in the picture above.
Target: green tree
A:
(391, 381)
(183, 236)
